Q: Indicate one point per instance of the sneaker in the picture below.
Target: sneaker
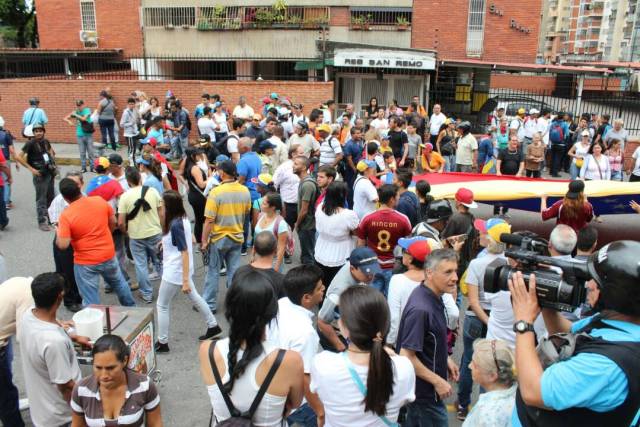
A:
(244, 252)
(223, 271)
(74, 308)
(161, 348)
(461, 411)
(213, 310)
(134, 286)
(147, 300)
(44, 227)
(84, 170)
(10, 206)
(211, 332)
(154, 276)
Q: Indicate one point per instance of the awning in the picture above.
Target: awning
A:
(312, 65)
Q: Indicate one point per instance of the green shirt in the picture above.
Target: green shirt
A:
(308, 192)
(85, 111)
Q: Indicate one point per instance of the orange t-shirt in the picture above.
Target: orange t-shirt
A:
(86, 222)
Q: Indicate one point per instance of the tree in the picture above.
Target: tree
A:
(18, 19)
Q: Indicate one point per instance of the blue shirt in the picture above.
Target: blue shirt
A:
(409, 204)
(354, 149)
(31, 117)
(154, 182)
(588, 380)
(249, 167)
(6, 140)
(485, 150)
(158, 134)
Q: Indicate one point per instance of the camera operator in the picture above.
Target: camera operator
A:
(599, 384)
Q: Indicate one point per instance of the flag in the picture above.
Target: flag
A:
(607, 197)
(105, 187)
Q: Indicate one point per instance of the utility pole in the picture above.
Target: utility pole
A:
(323, 33)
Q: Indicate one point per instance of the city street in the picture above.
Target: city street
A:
(28, 252)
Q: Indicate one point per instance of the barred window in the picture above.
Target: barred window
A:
(475, 27)
(169, 16)
(88, 15)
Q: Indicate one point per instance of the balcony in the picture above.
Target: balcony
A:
(380, 19)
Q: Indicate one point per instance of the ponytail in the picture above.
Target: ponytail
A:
(379, 379)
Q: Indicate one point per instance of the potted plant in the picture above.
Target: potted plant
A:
(367, 22)
(294, 21)
(264, 17)
(402, 23)
(357, 22)
(279, 10)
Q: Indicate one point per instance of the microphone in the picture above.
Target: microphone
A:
(511, 239)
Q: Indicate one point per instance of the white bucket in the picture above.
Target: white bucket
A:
(89, 323)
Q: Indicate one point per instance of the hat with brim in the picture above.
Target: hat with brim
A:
(464, 196)
(365, 260)
(494, 227)
(575, 189)
(418, 247)
(142, 161)
(324, 128)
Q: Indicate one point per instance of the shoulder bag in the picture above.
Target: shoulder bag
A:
(237, 418)
(27, 131)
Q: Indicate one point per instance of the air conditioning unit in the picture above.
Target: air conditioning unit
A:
(88, 36)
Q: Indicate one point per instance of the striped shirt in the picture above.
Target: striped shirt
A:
(329, 150)
(228, 205)
(141, 396)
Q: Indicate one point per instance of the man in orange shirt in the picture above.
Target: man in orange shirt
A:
(87, 225)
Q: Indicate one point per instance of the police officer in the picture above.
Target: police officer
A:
(599, 385)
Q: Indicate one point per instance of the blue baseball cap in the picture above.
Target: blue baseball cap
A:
(267, 144)
(221, 158)
(143, 161)
(365, 260)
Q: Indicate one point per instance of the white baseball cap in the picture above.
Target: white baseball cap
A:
(534, 111)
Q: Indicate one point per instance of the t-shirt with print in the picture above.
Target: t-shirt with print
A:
(308, 192)
(86, 222)
(510, 161)
(423, 329)
(250, 167)
(146, 223)
(381, 230)
(397, 139)
(466, 146)
(48, 360)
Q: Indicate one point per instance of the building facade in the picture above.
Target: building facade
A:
(589, 31)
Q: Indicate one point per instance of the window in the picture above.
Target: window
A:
(475, 27)
(169, 16)
(376, 18)
(88, 15)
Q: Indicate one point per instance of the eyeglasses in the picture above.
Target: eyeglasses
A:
(495, 357)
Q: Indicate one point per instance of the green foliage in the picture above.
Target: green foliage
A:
(19, 23)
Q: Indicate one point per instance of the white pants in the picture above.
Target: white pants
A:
(165, 296)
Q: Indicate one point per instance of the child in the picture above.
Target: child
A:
(414, 144)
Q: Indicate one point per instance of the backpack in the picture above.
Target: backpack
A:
(239, 419)
(291, 244)
(221, 144)
(140, 203)
(556, 133)
(187, 122)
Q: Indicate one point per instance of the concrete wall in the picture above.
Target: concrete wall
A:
(57, 97)
(352, 3)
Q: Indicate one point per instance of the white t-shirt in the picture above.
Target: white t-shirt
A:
(365, 197)
(518, 124)
(343, 402)
(581, 151)
(501, 320)
(245, 112)
(232, 143)
(207, 127)
(329, 150)
(475, 277)
(308, 143)
(334, 243)
(543, 128)
(220, 119)
(435, 123)
(380, 124)
(293, 330)
(280, 153)
(282, 226)
(48, 360)
(176, 240)
(636, 166)
(287, 182)
(466, 145)
(400, 287)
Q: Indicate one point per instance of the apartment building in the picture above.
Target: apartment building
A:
(589, 30)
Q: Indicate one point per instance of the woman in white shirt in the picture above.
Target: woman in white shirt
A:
(335, 226)
(596, 165)
(220, 119)
(367, 384)
(244, 359)
(365, 195)
(578, 152)
(271, 221)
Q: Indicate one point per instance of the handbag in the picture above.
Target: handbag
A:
(238, 419)
(27, 131)
(87, 126)
(363, 389)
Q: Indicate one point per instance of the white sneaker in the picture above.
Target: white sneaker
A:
(23, 404)
(223, 271)
(154, 276)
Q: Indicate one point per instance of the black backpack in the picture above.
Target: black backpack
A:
(221, 144)
(242, 419)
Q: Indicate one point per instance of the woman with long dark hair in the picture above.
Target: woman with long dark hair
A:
(151, 172)
(196, 173)
(573, 210)
(335, 225)
(371, 110)
(114, 393)
(244, 359)
(367, 384)
(270, 220)
(177, 270)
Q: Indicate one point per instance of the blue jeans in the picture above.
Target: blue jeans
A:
(307, 240)
(85, 145)
(7, 186)
(574, 171)
(472, 330)
(381, 281)
(88, 279)
(179, 144)
(121, 252)
(224, 249)
(450, 163)
(9, 410)
(247, 230)
(304, 416)
(107, 128)
(615, 176)
(142, 250)
(423, 414)
(4, 219)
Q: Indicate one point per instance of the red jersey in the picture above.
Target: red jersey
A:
(381, 230)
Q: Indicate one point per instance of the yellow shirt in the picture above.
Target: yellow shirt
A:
(435, 161)
(227, 205)
(146, 223)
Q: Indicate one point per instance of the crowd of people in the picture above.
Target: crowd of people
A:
(361, 331)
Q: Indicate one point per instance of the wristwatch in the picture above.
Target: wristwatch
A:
(522, 327)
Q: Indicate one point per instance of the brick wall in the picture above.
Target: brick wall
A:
(443, 26)
(340, 16)
(117, 24)
(526, 83)
(57, 97)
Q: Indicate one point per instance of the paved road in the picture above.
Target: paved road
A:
(28, 252)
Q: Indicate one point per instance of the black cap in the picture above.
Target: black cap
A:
(228, 167)
(438, 209)
(575, 188)
(115, 159)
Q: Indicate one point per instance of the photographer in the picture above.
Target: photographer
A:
(599, 384)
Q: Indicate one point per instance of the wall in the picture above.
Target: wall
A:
(117, 25)
(548, 83)
(443, 26)
(57, 97)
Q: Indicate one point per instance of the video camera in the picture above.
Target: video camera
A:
(560, 283)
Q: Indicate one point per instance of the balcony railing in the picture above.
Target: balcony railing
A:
(380, 19)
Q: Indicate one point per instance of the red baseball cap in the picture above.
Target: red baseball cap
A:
(464, 196)
(418, 247)
(152, 142)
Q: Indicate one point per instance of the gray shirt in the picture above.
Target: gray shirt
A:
(107, 109)
(48, 359)
(414, 142)
(622, 135)
(342, 281)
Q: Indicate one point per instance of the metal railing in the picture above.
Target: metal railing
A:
(380, 19)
